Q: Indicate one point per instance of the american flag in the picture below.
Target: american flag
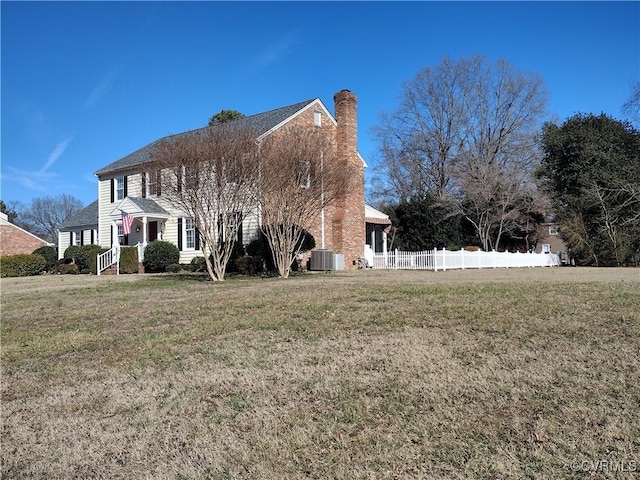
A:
(127, 220)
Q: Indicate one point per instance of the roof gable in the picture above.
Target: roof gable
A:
(137, 206)
(6, 224)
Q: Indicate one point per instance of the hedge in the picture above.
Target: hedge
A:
(85, 256)
(22, 265)
(50, 255)
(128, 259)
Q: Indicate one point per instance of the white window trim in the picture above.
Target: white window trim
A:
(151, 180)
(185, 236)
(119, 190)
(120, 234)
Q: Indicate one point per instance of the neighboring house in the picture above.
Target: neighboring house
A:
(15, 240)
(130, 185)
(550, 242)
(81, 228)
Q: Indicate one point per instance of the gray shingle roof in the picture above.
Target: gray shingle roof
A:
(88, 216)
(148, 206)
(260, 123)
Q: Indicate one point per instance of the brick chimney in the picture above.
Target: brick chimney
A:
(348, 222)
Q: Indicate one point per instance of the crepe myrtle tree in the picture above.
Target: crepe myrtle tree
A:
(299, 176)
(211, 175)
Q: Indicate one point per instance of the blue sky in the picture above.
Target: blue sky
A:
(86, 83)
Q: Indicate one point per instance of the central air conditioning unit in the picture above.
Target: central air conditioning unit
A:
(322, 260)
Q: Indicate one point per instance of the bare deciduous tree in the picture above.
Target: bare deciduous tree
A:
(421, 140)
(500, 147)
(496, 202)
(211, 175)
(632, 106)
(46, 214)
(466, 130)
(300, 176)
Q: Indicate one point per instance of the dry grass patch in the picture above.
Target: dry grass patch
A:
(476, 374)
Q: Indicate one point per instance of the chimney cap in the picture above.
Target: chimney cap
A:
(344, 93)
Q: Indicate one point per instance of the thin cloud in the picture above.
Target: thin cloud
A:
(55, 154)
(276, 51)
(103, 87)
(38, 180)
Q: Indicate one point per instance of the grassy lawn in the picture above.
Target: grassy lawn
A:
(490, 374)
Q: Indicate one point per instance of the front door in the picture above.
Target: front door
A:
(153, 231)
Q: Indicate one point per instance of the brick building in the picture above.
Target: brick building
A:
(15, 240)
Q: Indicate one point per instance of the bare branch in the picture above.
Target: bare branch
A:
(299, 177)
(211, 175)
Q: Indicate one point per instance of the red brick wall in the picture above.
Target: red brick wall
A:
(14, 241)
(348, 223)
(344, 220)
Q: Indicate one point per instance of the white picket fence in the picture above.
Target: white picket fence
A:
(461, 259)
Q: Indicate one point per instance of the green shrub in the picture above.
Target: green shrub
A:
(49, 253)
(68, 268)
(85, 256)
(245, 265)
(93, 258)
(260, 248)
(22, 265)
(236, 252)
(198, 264)
(174, 268)
(128, 259)
(160, 254)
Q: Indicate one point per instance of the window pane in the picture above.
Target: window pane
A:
(189, 233)
(119, 188)
(152, 182)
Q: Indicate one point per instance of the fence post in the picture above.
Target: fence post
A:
(396, 262)
(444, 260)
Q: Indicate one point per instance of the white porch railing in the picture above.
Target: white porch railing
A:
(108, 258)
(461, 259)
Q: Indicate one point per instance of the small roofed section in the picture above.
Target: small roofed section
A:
(371, 215)
(87, 217)
(139, 207)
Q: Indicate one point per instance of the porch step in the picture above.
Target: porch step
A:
(111, 270)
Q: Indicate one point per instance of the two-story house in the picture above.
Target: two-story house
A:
(131, 185)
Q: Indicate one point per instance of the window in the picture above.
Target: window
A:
(120, 188)
(151, 183)
(317, 118)
(546, 248)
(77, 238)
(553, 230)
(191, 177)
(303, 175)
(189, 234)
(233, 224)
(121, 236)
